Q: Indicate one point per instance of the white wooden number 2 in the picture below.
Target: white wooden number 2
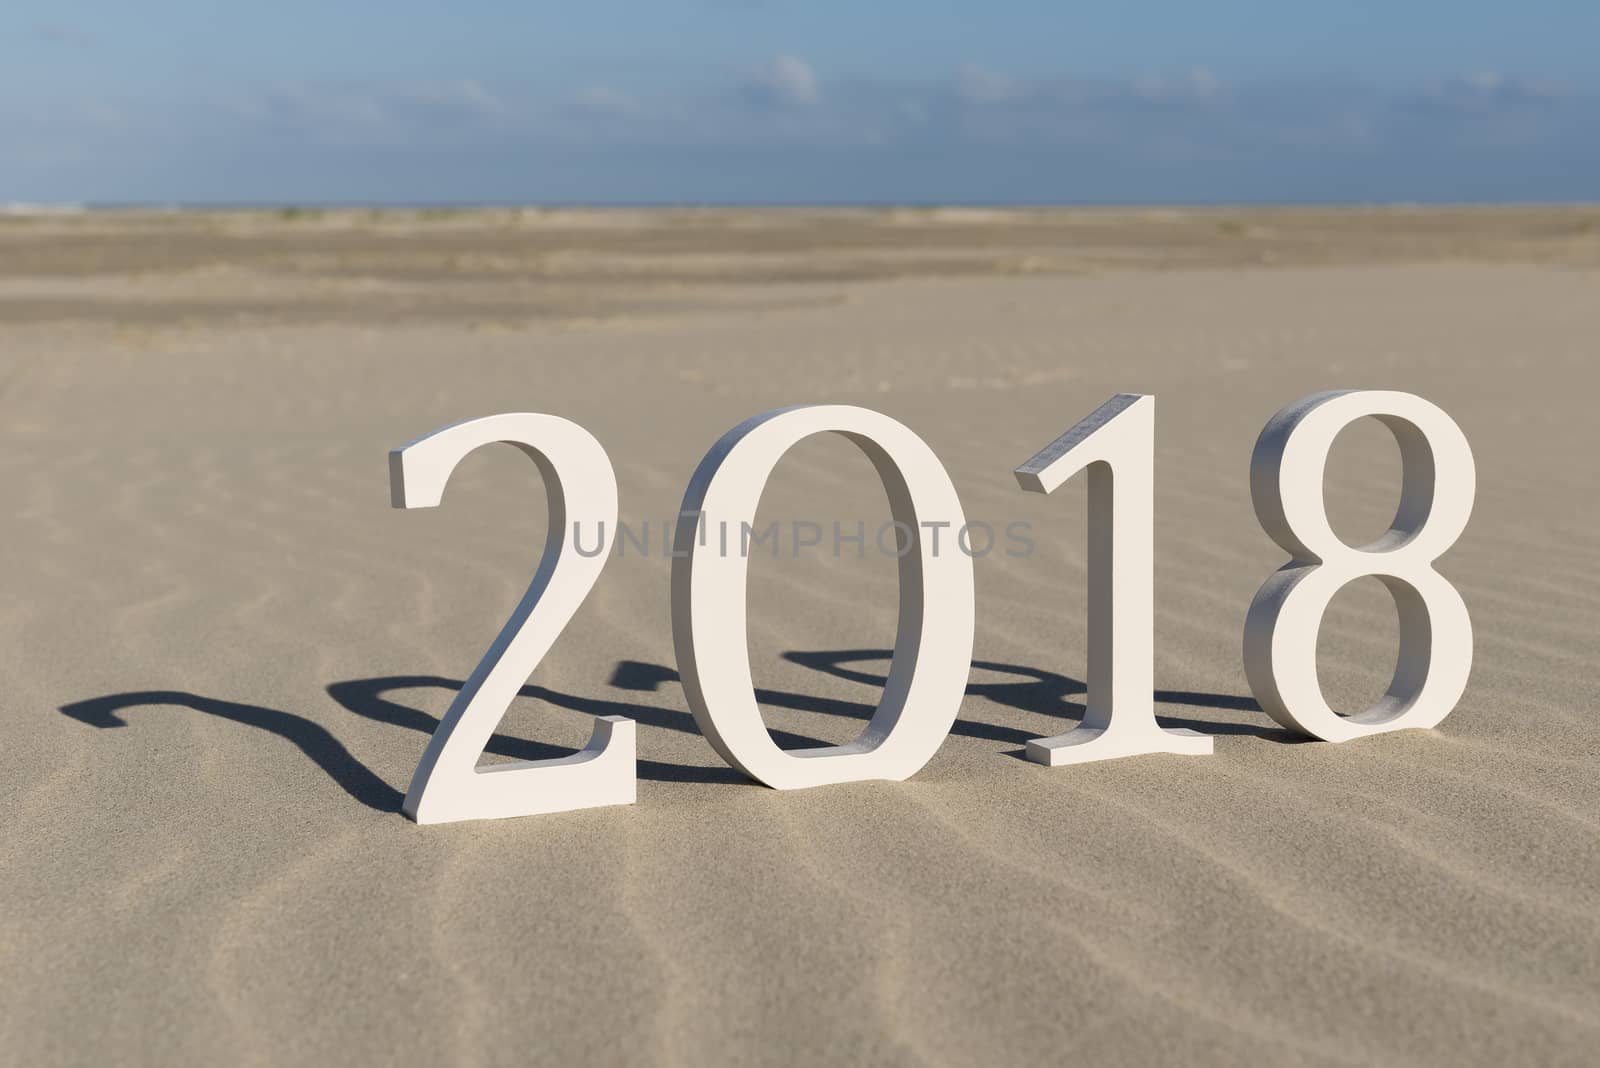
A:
(580, 486)
(933, 643)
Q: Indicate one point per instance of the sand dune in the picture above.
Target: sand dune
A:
(223, 653)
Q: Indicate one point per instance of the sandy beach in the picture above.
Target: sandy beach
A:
(223, 650)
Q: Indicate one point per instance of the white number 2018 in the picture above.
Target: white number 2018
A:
(933, 646)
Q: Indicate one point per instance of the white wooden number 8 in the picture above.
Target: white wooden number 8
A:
(1280, 636)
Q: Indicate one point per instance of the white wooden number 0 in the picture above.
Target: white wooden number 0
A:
(933, 640)
(1280, 635)
(1116, 442)
(580, 487)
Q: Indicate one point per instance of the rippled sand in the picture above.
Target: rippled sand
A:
(223, 651)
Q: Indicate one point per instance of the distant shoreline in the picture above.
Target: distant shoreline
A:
(508, 266)
(29, 207)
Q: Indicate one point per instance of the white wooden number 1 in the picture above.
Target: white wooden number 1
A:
(1116, 442)
(580, 487)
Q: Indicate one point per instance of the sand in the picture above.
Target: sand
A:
(223, 651)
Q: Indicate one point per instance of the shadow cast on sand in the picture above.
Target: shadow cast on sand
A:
(311, 738)
(1034, 690)
(1047, 693)
(367, 698)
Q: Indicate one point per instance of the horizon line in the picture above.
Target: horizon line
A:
(46, 207)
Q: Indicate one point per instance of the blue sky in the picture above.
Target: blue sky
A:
(788, 101)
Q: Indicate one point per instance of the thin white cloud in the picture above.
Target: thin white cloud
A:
(1491, 87)
(979, 85)
(368, 114)
(774, 130)
(1196, 84)
(604, 101)
(785, 82)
